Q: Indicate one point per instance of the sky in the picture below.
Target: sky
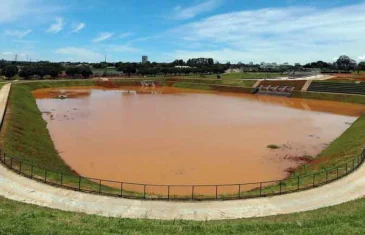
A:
(294, 31)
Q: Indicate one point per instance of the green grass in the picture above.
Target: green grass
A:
(27, 137)
(248, 75)
(349, 145)
(30, 140)
(231, 82)
(20, 218)
(327, 96)
(215, 87)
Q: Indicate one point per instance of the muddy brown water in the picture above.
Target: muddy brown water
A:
(181, 136)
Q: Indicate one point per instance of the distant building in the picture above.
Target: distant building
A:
(182, 67)
(268, 65)
(144, 59)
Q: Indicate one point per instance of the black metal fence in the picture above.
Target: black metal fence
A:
(181, 192)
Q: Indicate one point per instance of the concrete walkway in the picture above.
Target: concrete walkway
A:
(16, 187)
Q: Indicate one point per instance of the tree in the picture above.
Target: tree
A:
(26, 72)
(361, 66)
(10, 71)
(2, 64)
(54, 71)
(85, 71)
(71, 71)
(40, 70)
(345, 63)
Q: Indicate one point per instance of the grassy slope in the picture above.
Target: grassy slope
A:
(327, 96)
(247, 75)
(27, 136)
(30, 139)
(20, 218)
(349, 145)
(347, 218)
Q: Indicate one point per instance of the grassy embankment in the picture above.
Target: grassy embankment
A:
(20, 218)
(235, 76)
(27, 136)
(30, 140)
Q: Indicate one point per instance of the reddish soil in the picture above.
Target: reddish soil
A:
(353, 77)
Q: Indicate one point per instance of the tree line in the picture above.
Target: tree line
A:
(42, 69)
(194, 66)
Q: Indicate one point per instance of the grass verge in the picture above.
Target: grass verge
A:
(20, 218)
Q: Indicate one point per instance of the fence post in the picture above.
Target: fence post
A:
(216, 192)
(121, 189)
(31, 172)
(20, 167)
(11, 162)
(45, 176)
(280, 186)
(337, 172)
(298, 183)
(144, 191)
(79, 183)
(61, 179)
(168, 192)
(260, 189)
(346, 168)
(99, 186)
(326, 176)
(314, 179)
(192, 193)
(239, 191)
(353, 164)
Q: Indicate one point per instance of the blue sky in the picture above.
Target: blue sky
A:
(226, 30)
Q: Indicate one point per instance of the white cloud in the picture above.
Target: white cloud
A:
(78, 54)
(125, 35)
(57, 26)
(121, 48)
(6, 53)
(12, 10)
(17, 33)
(361, 58)
(191, 12)
(78, 27)
(103, 37)
(297, 34)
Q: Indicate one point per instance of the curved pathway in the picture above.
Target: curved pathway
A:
(16, 187)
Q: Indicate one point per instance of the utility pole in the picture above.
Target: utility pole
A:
(106, 67)
(16, 57)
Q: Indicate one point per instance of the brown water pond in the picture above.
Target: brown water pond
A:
(181, 136)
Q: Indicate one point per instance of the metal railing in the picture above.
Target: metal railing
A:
(181, 192)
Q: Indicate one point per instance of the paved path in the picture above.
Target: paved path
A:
(16, 187)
